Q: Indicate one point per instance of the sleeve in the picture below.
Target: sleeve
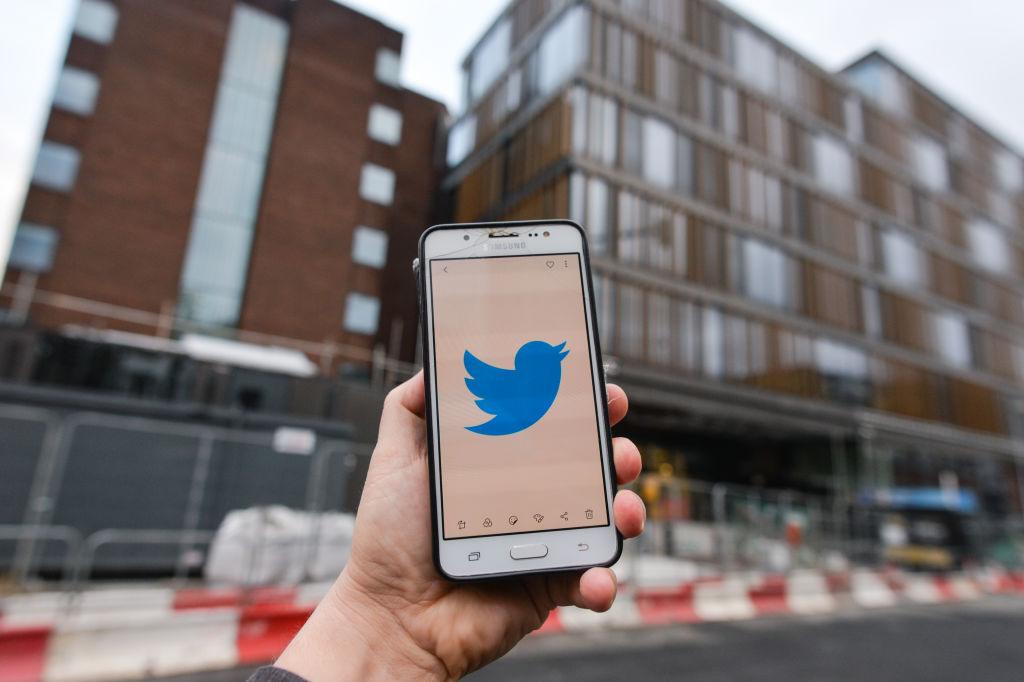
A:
(272, 674)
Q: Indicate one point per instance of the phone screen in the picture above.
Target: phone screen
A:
(519, 441)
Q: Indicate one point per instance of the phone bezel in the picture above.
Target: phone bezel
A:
(451, 556)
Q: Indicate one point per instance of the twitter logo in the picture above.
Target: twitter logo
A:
(518, 397)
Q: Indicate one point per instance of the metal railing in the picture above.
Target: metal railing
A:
(147, 492)
(89, 495)
(731, 527)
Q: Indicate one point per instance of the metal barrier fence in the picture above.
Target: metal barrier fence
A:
(87, 493)
(730, 527)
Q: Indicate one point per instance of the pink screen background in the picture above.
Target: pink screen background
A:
(491, 307)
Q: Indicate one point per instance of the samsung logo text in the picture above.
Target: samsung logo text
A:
(508, 246)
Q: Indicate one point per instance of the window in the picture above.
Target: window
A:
(735, 346)
(56, 166)
(901, 258)
(361, 313)
(988, 246)
(385, 124)
(854, 117)
(370, 246)
(632, 145)
(243, 120)
(577, 198)
(688, 335)
(595, 125)
(951, 339)
(755, 59)
(666, 78)
(684, 154)
(872, 311)
(845, 371)
(461, 139)
(834, 358)
(231, 180)
(76, 91)
(833, 164)
(729, 111)
(881, 83)
(229, 185)
(255, 52)
(604, 297)
(929, 162)
(629, 59)
(765, 273)
(489, 59)
(659, 158)
(33, 248)
(377, 184)
(96, 20)
(514, 90)
(1008, 170)
(631, 321)
(1001, 207)
(217, 260)
(597, 215)
(659, 334)
(562, 49)
(711, 342)
(629, 227)
(389, 67)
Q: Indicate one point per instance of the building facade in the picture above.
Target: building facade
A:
(805, 279)
(246, 168)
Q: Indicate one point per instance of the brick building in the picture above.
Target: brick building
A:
(806, 279)
(249, 168)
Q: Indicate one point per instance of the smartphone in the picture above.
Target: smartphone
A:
(521, 468)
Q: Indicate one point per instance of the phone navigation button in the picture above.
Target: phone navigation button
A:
(528, 551)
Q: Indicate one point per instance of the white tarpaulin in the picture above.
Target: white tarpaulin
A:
(275, 544)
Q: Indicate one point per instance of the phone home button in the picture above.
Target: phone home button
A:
(528, 551)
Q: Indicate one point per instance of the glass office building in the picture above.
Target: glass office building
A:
(805, 279)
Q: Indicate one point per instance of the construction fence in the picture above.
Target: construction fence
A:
(88, 495)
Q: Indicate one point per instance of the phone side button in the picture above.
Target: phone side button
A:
(528, 551)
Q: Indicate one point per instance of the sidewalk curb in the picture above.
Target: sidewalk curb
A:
(130, 633)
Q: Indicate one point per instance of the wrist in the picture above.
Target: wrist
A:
(350, 636)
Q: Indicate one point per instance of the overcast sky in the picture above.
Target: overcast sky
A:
(970, 52)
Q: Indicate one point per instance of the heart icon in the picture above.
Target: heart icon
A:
(550, 264)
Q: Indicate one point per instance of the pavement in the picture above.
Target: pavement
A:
(978, 640)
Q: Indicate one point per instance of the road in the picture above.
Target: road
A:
(970, 641)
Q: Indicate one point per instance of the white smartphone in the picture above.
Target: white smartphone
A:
(521, 469)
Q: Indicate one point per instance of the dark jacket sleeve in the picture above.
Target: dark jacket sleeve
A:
(272, 674)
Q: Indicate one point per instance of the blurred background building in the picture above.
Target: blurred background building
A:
(807, 280)
(810, 283)
(218, 232)
(230, 168)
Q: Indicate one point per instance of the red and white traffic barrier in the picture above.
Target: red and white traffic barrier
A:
(139, 632)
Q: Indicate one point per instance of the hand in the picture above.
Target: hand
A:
(390, 615)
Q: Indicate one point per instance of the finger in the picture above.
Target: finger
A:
(627, 460)
(630, 513)
(593, 589)
(618, 404)
(401, 419)
(414, 396)
(597, 588)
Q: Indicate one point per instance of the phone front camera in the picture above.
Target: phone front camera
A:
(465, 237)
(546, 233)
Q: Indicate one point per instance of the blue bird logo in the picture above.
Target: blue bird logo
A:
(518, 397)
